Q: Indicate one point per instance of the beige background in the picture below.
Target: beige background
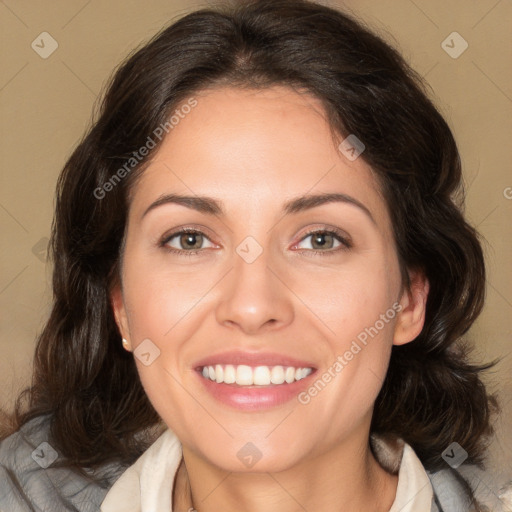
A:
(46, 105)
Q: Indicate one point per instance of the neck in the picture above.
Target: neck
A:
(346, 478)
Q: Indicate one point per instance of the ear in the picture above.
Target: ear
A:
(119, 309)
(411, 317)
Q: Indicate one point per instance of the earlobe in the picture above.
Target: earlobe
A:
(119, 310)
(413, 302)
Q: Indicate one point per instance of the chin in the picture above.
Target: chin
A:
(249, 458)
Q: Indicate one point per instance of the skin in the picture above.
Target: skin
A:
(254, 150)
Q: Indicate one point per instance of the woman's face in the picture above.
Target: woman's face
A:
(252, 290)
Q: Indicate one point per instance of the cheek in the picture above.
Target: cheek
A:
(351, 298)
(167, 307)
(358, 309)
(158, 300)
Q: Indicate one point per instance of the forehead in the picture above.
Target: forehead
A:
(254, 148)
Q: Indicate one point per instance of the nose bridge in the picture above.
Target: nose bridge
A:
(253, 296)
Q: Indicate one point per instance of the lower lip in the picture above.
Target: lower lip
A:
(255, 398)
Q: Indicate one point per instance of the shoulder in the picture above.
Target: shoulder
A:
(29, 482)
(450, 493)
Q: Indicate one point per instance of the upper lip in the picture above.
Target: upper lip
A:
(237, 357)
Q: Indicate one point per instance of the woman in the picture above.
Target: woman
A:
(261, 284)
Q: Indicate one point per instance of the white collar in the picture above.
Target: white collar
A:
(145, 486)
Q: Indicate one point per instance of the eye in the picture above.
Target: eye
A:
(324, 241)
(188, 241)
(185, 242)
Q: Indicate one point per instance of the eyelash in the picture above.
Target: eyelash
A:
(346, 244)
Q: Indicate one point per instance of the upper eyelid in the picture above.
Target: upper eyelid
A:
(185, 229)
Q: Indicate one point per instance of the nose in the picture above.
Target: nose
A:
(254, 297)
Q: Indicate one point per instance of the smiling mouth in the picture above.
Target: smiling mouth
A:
(244, 375)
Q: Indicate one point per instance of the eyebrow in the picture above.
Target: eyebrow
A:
(211, 206)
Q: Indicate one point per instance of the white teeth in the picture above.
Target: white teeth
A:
(261, 376)
(290, 374)
(307, 371)
(244, 375)
(219, 373)
(229, 374)
(277, 375)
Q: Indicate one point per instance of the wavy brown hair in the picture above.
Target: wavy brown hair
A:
(89, 384)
